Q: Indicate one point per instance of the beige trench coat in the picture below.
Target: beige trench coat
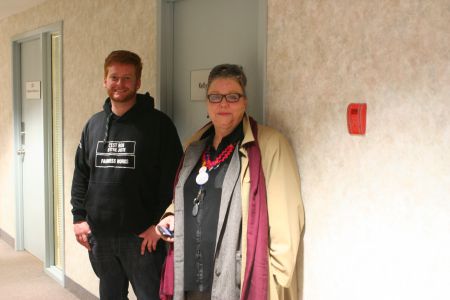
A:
(285, 208)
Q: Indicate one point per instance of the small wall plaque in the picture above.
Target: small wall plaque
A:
(199, 82)
(33, 90)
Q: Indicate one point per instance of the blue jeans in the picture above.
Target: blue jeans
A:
(117, 260)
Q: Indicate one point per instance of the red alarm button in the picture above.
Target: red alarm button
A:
(356, 118)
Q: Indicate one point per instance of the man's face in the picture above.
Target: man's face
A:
(121, 83)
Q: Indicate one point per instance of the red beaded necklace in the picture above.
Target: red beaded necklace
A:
(206, 161)
(202, 176)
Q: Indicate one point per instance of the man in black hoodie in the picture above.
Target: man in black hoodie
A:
(124, 170)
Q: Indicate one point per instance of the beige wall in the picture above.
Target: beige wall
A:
(377, 207)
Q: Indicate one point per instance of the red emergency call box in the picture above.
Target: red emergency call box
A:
(356, 118)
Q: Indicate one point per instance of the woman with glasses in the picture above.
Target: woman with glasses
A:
(237, 216)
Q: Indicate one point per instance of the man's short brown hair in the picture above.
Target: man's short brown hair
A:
(124, 57)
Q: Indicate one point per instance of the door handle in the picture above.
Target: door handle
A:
(20, 152)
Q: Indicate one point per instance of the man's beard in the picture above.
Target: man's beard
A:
(123, 97)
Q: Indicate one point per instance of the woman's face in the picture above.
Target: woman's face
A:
(225, 115)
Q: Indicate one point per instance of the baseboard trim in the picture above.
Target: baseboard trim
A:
(7, 238)
(78, 290)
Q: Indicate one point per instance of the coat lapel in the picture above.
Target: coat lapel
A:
(193, 154)
(191, 158)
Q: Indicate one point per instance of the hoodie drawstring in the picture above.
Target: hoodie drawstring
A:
(108, 120)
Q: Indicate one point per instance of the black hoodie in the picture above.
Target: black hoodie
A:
(124, 168)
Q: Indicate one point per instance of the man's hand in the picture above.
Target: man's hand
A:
(151, 238)
(82, 231)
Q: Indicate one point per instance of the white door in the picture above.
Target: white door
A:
(207, 33)
(32, 140)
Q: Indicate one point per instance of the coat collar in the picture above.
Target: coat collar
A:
(248, 134)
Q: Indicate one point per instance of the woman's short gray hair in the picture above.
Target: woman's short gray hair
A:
(228, 71)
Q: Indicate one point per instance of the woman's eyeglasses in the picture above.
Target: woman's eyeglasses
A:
(217, 98)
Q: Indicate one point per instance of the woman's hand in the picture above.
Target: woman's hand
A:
(167, 222)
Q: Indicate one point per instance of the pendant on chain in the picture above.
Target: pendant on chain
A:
(197, 200)
(202, 176)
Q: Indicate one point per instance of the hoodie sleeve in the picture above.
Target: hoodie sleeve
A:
(80, 180)
(169, 156)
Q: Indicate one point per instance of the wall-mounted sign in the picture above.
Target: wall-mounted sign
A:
(33, 90)
(199, 82)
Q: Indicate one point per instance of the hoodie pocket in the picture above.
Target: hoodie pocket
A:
(107, 202)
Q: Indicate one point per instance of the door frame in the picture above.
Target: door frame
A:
(44, 35)
(164, 58)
